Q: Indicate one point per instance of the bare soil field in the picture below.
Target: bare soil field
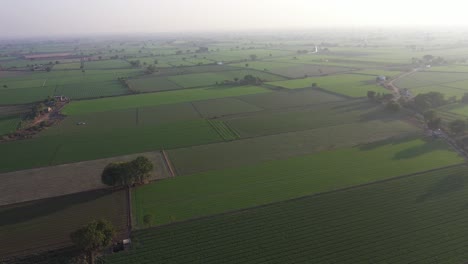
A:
(44, 225)
(47, 182)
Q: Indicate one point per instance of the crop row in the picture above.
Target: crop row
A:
(227, 133)
(399, 221)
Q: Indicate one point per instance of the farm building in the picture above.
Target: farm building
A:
(61, 98)
(381, 78)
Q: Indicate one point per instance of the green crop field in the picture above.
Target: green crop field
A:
(152, 84)
(224, 131)
(100, 142)
(286, 145)
(447, 91)
(310, 117)
(154, 99)
(237, 156)
(416, 219)
(74, 84)
(218, 191)
(449, 68)
(224, 106)
(208, 79)
(8, 124)
(47, 224)
(419, 79)
(94, 65)
(378, 72)
(289, 99)
(352, 85)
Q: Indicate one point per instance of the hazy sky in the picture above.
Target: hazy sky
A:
(52, 17)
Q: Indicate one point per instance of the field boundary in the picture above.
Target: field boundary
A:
(128, 193)
(464, 164)
(226, 132)
(168, 163)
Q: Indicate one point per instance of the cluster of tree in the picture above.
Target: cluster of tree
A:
(202, 50)
(302, 51)
(429, 60)
(247, 80)
(151, 69)
(458, 126)
(464, 99)
(432, 120)
(41, 108)
(393, 106)
(135, 63)
(429, 100)
(129, 173)
(379, 97)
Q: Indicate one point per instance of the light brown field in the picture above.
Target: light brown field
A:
(47, 182)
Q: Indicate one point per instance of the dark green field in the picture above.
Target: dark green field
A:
(218, 191)
(417, 219)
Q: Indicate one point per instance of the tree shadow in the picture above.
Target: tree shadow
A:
(388, 141)
(447, 185)
(381, 114)
(357, 105)
(13, 214)
(415, 151)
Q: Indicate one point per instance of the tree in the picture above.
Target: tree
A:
(430, 115)
(253, 57)
(434, 123)
(141, 168)
(48, 69)
(393, 106)
(371, 95)
(314, 84)
(429, 100)
(428, 58)
(148, 220)
(151, 69)
(246, 65)
(465, 98)
(95, 236)
(457, 126)
(5, 86)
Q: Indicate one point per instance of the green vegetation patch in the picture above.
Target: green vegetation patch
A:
(207, 79)
(282, 146)
(214, 192)
(154, 99)
(224, 106)
(295, 98)
(352, 85)
(9, 124)
(152, 84)
(419, 219)
(310, 117)
(226, 132)
(83, 142)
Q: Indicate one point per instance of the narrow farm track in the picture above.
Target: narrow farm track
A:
(391, 84)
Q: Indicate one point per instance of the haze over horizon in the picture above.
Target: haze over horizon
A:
(23, 18)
